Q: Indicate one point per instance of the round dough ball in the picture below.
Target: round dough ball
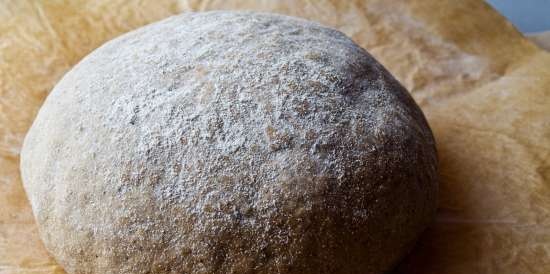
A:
(230, 142)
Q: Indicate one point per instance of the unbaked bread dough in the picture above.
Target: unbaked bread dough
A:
(230, 142)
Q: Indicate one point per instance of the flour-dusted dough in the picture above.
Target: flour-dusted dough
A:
(230, 142)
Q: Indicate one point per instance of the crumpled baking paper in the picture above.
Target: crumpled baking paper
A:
(542, 39)
(484, 88)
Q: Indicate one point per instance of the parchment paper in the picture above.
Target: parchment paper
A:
(541, 39)
(483, 87)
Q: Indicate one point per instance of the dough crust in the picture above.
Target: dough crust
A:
(230, 142)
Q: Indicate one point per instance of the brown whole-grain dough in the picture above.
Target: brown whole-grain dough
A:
(230, 142)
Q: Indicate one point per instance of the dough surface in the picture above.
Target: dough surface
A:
(230, 142)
